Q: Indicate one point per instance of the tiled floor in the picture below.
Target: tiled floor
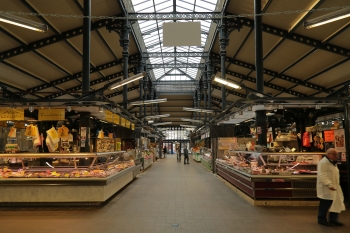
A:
(169, 193)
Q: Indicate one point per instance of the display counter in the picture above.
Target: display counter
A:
(72, 183)
(196, 157)
(207, 162)
(147, 163)
(273, 180)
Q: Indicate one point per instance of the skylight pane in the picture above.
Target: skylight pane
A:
(144, 5)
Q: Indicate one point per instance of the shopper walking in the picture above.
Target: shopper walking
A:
(186, 155)
(329, 190)
(178, 154)
(164, 151)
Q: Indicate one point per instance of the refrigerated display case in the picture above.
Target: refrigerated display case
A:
(64, 180)
(271, 175)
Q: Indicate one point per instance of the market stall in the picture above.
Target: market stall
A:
(68, 182)
(271, 175)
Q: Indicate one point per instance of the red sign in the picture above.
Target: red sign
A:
(329, 136)
(258, 130)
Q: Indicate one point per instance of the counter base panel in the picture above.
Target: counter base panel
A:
(56, 192)
(206, 164)
(293, 187)
(147, 163)
(196, 157)
(269, 202)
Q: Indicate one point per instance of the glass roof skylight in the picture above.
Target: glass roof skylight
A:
(152, 33)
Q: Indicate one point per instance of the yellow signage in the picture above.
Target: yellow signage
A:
(132, 126)
(127, 124)
(108, 116)
(51, 114)
(122, 122)
(116, 119)
(11, 114)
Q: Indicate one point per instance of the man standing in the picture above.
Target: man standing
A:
(329, 190)
(186, 155)
(164, 151)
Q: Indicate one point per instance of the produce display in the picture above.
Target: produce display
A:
(147, 154)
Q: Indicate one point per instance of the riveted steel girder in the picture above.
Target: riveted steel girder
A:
(175, 16)
(273, 73)
(181, 65)
(229, 91)
(270, 85)
(297, 38)
(175, 54)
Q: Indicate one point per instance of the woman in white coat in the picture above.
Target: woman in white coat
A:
(329, 190)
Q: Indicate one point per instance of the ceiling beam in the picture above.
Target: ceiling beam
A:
(175, 54)
(297, 38)
(181, 65)
(175, 16)
(272, 73)
(266, 84)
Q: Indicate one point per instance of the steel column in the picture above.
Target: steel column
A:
(209, 74)
(261, 114)
(125, 42)
(86, 45)
(347, 138)
(145, 87)
(141, 69)
(223, 43)
(205, 89)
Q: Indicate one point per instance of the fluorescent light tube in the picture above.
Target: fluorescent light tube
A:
(162, 123)
(128, 80)
(157, 116)
(198, 110)
(227, 83)
(148, 102)
(328, 18)
(191, 120)
(22, 22)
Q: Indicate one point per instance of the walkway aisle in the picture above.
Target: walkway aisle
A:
(165, 194)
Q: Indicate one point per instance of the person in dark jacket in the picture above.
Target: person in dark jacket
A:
(164, 151)
(186, 155)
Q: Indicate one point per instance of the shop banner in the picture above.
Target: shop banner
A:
(11, 114)
(116, 119)
(122, 121)
(328, 136)
(108, 116)
(339, 136)
(51, 114)
(132, 126)
(127, 124)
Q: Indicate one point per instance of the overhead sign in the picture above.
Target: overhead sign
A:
(132, 126)
(11, 114)
(51, 114)
(127, 124)
(122, 122)
(108, 116)
(116, 119)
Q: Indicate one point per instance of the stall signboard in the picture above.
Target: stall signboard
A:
(328, 136)
(339, 142)
(127, 124)
(11, 114)
(116, 119)
(122, 122)
(108, 116)
(132, 126)
(53, 114)
(225, 143)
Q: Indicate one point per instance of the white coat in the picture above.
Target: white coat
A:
(327, 177)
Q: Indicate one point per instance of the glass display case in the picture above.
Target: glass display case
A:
(206, 159)
(64, 177)
(271, 175)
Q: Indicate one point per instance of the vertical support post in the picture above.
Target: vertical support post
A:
(258, 47)
(199, 100)
(209, 74)
(141, 89)
(86, 46)
(145, 88)
(194, 104)
(152, 97)
(260, 114)
(205, 88)
(85, 132)
(223, 41)
(125, 42)
(347, 138)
